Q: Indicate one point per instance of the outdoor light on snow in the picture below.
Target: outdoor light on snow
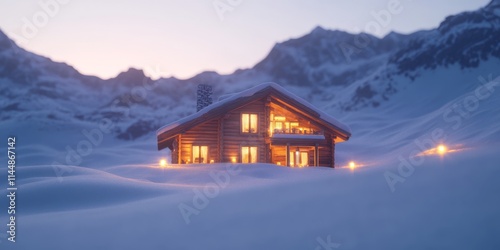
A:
(250, 145)
(352, 165)
(442, 149)
(163, 163)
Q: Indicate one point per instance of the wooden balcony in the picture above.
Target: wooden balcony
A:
(298, 131)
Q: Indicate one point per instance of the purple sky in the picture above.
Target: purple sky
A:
(184, 37)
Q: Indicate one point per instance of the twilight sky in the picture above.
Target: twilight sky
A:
(184, 37)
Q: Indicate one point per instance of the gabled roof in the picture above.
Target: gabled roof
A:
(260, 90)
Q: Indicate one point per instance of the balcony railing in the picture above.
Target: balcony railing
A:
(298, 131)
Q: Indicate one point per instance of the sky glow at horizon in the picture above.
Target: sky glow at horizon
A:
(185, 37)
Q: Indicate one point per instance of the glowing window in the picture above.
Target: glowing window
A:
(299, 158)
(279, 125)
(294, 127)
(200, 154)
(279, 118)
(248, 154)
(304, 159)
(249, 123)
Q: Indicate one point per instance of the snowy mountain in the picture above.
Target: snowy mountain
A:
(336, 70)
(88, 173)
(465, 39)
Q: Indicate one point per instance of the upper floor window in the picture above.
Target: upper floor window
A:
(249, 123)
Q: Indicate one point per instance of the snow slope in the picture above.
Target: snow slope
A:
(445, 202)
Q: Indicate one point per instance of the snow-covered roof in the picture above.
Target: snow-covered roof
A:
(247, 93)
(222, 97)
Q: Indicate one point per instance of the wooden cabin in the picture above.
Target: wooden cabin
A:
(266, 124)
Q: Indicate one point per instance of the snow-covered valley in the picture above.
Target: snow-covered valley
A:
(407, 99)
(120, 198)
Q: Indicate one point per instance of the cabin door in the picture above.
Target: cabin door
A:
(299, 159)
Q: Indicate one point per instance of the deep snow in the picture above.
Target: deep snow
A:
(115, 196)
(449, 203)
(119, 198)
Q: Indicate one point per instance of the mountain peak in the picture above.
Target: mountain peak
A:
(318, 29)
(393, 34)
(131, 72)
(132, 76)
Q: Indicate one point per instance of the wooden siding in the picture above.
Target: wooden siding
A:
(325, 156)
(326, 153)
(224, 138)
(175, 151)
(234, 139)
(278, 154)
(271, 94)
(202, 135)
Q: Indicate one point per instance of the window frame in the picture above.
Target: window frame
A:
(296, 158)
(199, 154)
(249, 122)
(249, 160)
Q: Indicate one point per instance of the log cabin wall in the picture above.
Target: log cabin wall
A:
(278, 112)
(278, 155)
(224, 137)
(332, 142)
(332, 163)
(325, 152)
(175, 150)
(325, 156)
(205, 134)
(232, 137)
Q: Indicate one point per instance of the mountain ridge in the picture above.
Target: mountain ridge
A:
(317, 66)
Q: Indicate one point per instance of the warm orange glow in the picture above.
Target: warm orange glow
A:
(248, 154)
(249, 123)
(280, 118)
(442, 149)
(200, 154)
(304, 158)
(212, 161)
(352, 165)
(278, 163)
(163, 163)
(233, 159)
